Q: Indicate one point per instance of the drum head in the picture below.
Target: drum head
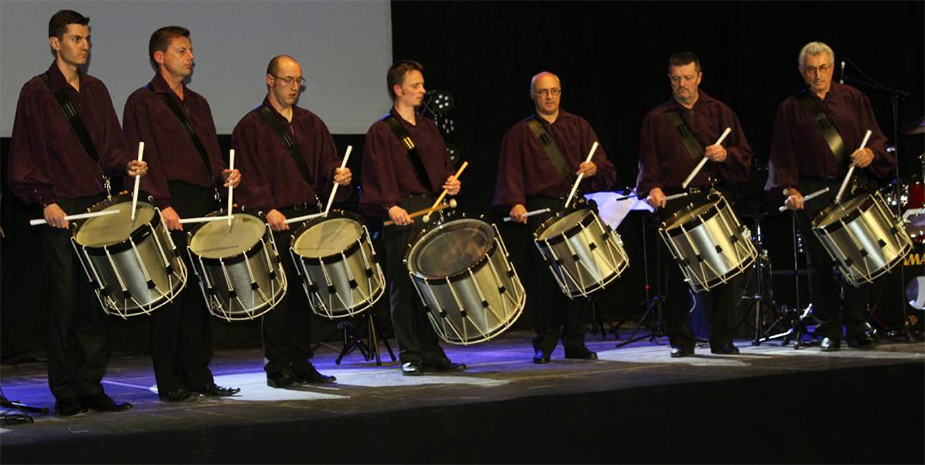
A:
(328, 237)
(561, 225)
(692, 216)
(216, 239)
(109, 230)
(451, 248)
(836, 212)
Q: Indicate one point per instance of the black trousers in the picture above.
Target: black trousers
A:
(181, 331)
(719, 302)
(417, 341)
(555, 316)
(287, 328)
(78, 343)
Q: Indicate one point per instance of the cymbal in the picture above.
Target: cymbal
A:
(913, 127)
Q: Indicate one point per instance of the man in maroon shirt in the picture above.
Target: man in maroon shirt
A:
(396, 182)
(802, 162)
(267, 141)
(52, 167)
(665, 161)
(185, 168)
(528, 179)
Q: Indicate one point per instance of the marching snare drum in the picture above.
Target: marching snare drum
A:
(708, 243)
(238, 266)
(463, 275)
(133, 265)
(334, 256)
(583, 253)
(863, 236)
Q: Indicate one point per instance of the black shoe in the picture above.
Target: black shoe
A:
(176, 395)
(443, 366)
(69, 407)
(830, 344)
(214, 390)
(412, 369)
(861, 342)
(103, 403)
(311, 376)
(280, 380)
(682, 351)
(540, 357)
(725, 349)
(582, 355)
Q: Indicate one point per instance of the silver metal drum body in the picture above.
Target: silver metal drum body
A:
(238, 266)
(583, 253)
(133, 265)
(863, 236)
(335, 259)
(709, 243)
(463, 275)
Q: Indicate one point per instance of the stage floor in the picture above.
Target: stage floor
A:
(635, 393)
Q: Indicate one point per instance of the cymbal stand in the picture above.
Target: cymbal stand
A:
(762, 300)
(651, 302)
(797, 321)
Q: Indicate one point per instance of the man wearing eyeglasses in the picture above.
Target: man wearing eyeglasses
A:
(181, 147)
(674, 138)
(539, 161)
(290, 159)
(815, 140)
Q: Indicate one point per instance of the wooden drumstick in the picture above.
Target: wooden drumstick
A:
(578, 181)
(809, 197)
(205, 219)
(303, 218)
(443, 194)
(425, 212)
(844, 183)
(230, 187)
(703, 161)
(141, 151)
(78, 216)
(528, 214)
(675, 196)
(334, 190)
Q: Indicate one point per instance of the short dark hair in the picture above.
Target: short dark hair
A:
(396, 74)
(161, 39)
(273, 65)
(57, 25)
(683, 59)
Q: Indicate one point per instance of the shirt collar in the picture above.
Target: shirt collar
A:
(57, 79)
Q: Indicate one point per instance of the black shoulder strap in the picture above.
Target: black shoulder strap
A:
(292, 145)
(413, 154)
(184, 121)
(693, 146)
(829, 130)
(74, 118)
(549, 146)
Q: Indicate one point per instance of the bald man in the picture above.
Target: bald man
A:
(289, 157)
(540, 159)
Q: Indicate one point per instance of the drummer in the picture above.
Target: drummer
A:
(539, 161)
(52, 167)
(396, 182)
(289, 157)
(805, 158)
(666, 159)
(186, 165)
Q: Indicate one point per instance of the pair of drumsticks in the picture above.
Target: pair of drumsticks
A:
(437, 206)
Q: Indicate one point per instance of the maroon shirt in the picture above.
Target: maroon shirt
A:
(169, 151)
(798, 147)
(388, 174)
(47, 160)
(525, 170)
(665, 162)
(273, 177)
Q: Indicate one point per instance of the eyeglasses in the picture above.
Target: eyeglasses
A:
(555, 92)
(824, 68)
(686, 78)
(289, 81)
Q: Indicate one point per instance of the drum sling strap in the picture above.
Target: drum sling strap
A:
(549, 146)
(184, 121)
(78, 127)
(693, 146)
(292, 146)
(827, 127)
(413, 154)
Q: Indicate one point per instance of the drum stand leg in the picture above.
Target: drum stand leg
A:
(353, 340)
(651, 302)
(599, 321)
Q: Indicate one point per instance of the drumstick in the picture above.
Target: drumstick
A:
(426, 212)
(443, 194)
(809, 197)
(534, 212)
(141, 151)
(577, 181)
(78, 216)
(334, 191)
(703, 161)
(303, 218)
(844, 183)
(676, 196)
(204, 219)
(230, 187)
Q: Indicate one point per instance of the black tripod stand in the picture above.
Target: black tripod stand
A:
(353, 340)
(761, 299)
(652, 304)
(17, 413)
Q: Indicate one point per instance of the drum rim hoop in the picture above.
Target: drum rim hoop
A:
(866, 203)
(137, 236)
